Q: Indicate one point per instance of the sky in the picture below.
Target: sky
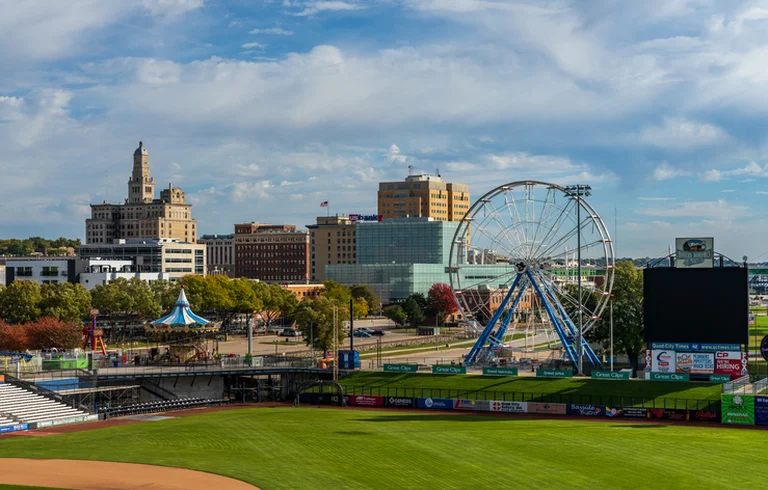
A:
(260, 110)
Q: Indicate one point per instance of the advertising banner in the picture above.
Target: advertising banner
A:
(731, 362)
(435, 403)
(483, 405)
(548, 408)
(400, 368)
(761, 410)
(13, 428)
(366, 400)
(719, 378)
(704, 415)
(510, 407)
(648, 361)
(586, 410)
(683, 362)
(500, 371)
(670, 377)
(397, 402)
(449, 370)
(611, 374)
(738, 409)
(694, 253)
(554, 373)
(703, 363)
(626, 412)
(663, 361)
(668, 414)
(693, 347)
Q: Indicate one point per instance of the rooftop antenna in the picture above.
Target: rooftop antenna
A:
(410, 169)
(437, 171)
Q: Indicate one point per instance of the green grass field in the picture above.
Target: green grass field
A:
(566, 390)
(295, 448)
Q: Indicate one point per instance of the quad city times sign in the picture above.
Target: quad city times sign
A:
(694, 253)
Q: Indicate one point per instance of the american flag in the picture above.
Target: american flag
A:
(324, 204)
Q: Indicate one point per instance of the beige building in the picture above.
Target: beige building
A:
(332, 240)
(423, 196)
(142, 216)
(221, 254)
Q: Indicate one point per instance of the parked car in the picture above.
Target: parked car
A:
(378, 332)
(289, 332)
(362, 333)
(363, 329)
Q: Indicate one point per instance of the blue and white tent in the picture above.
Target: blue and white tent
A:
(182, 318)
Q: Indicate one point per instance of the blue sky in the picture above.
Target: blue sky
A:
(261, 110)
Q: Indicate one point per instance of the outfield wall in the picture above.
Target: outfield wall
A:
(503, 406)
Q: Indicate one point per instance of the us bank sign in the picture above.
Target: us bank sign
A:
(365, 217)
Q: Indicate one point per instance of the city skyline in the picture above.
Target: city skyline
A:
(265, 111)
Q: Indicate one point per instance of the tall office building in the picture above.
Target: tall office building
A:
(272, 253)
(332, 240)
(220, 253)
(423, 196)
(142, 215)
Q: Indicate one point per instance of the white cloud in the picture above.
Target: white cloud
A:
(720, 209)
(680, 134)
(394, 155)
(252, 45)
(278, 31)
(712, 175)
(667, 172)
(313, 8)
(172, 8)
(762, 193)
(728, 190)
(656, 198)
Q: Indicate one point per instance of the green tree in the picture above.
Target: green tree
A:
(319, 314)
(338, 292)
(413, 311)
(360, 308)
(396, 314)
(373, 301)
(132, 301)
(275, 301)
(65, 301)
(628, 322)
(20, 302)
(166, 293)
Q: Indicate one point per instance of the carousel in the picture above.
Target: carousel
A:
(188, 337)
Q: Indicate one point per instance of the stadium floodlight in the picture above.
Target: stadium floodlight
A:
(578, 191)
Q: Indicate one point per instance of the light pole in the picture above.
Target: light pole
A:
(578, 191)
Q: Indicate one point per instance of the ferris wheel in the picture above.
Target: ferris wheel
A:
(532, 253)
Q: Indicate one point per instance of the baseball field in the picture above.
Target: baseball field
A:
(297, 448)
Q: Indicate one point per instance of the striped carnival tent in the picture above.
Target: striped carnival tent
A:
(181, 319)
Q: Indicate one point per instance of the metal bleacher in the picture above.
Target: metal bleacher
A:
(160, 406)
(18, 405)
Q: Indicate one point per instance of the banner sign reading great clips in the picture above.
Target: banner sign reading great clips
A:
(435, 403)
(365, 217)
(610, 374)
(401, 368)
(586, 410)
(449, 369)
(366, 401)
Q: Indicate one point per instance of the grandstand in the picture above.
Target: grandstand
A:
(18, 405)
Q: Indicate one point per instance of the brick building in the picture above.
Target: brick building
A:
(272, 253)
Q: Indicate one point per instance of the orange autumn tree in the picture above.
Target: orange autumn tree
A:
(49, 332)
(13, 338)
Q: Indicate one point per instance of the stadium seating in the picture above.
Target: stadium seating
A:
(21, 406)
(158, 406)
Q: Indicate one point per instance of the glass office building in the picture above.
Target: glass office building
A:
(401, 256)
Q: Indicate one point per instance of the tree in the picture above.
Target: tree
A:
(13, 337)
(166, 293)
(413, 311)
(20, 301)
(440, 301)
(373, 301)
(49, 332)
(133, 301)
(65, 301)
(360, 307)
(628, 322)
(315, 317)
(420, 299)
(275, 301)
(336, 291)
(396, 314)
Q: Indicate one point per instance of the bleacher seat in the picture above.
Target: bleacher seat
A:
(158, 406)
(18, 405)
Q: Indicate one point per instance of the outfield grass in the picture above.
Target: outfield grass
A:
(294, 448)
(567, 390)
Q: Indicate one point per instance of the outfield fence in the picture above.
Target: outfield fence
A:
(514, 396)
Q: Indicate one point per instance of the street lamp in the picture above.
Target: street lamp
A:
(578, 191)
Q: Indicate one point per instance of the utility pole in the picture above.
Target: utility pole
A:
(335, 344)
(611, 300)
(577, 191)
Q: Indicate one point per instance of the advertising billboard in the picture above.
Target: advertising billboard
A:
(585, 410)
(663, 361)
(668, 414)
(695, 362)
(694, 253)
(401, 368)
(483, 405)
(435, 403)
(366, 400)
(449, 369)
(733, 363)
(738, 409)
(510, 407)
(696, 307)
(398, 402)
(761, 410)
(548, 408)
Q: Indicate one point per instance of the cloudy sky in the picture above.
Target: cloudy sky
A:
(260, 110)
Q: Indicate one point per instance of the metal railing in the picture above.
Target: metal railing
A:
(513, 396)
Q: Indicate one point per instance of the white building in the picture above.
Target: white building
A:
(43, 270)
(220, 253)
(101, 271)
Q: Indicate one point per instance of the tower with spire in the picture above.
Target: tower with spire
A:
(141, 185)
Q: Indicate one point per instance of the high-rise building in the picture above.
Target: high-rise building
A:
(272, 253)
(142, 215)
(220, 253)
(423, 196)
(332, 241)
